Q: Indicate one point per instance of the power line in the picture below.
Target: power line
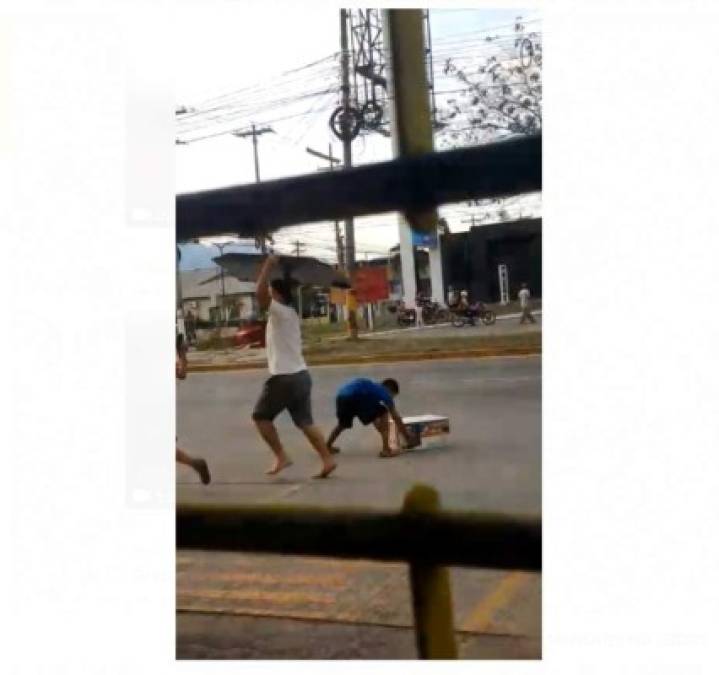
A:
(213, 99)
(483, 31)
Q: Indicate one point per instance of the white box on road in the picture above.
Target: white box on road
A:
(433, 431)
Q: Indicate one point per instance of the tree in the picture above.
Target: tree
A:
(500, 95)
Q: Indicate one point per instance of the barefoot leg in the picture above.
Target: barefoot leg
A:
(269, 434)
(315, 437)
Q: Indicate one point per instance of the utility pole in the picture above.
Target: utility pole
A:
(299, 246)
(255, 133)
(430, 73)
(221, 248)
(347, 157)
(338, 235)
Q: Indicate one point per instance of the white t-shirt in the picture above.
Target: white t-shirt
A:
(284, 340)
(524, 297)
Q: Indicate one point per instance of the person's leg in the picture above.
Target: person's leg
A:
(268, 406)
(344, 409)
(269, 434)
(300, 410)
(317, 440)
(333, 437)
(381, 423)
(196, 463)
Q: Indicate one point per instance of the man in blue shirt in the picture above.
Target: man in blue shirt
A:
(370, 402)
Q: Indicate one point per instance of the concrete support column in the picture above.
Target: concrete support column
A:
(410, 122)
(435, 273)
(406, 256)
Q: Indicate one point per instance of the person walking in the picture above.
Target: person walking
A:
(289, 386)
(372, 403)
(524, 305)
(181, 457)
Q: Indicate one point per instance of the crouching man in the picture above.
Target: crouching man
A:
(370, 402)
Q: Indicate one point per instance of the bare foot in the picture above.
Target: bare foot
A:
(279, 465)
(326, 470)
(388, 453)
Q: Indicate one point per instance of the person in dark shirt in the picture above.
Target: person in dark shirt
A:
(371, 402)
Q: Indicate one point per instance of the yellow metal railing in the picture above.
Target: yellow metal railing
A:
(421, 534)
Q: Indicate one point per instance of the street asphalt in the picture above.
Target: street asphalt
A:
(271, 607)
(492, 461)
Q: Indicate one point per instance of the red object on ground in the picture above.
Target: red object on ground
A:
(371, 284)
(252, 335)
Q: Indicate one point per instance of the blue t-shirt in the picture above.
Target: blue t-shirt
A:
(365, 393)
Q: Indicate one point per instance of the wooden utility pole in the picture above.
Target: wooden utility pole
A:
(254, 132)
(338, 234)
(299, 247)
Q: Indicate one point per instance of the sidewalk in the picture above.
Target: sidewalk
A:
(391, 331)
(397, 344)
(227, 636)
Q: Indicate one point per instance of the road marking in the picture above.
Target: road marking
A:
(480, 620)
(320, 580)
(298, 615)
(267, 597)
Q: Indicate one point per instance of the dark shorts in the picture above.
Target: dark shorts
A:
(286, 392)
(348, 408)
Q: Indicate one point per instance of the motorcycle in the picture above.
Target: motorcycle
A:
(432, 312)
(405, 317)
(469, 316)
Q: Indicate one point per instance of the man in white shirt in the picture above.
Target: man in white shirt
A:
(290, 385)
(524, 305)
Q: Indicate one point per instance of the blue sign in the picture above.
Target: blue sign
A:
(428, 239)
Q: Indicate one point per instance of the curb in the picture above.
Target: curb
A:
(377, 358)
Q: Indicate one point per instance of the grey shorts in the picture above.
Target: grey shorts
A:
(286, 392)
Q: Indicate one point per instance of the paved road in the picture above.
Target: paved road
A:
(492, 463)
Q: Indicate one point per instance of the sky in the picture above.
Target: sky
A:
(232, 58)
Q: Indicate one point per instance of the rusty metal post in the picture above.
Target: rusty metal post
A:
(431, 591)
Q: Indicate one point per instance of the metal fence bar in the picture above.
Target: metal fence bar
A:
(431, 590)
(444, 538)
(414, 183)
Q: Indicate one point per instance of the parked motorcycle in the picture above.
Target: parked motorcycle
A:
(432, 312)
(470, 315)
(406, 317)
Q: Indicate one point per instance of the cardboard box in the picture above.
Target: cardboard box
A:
(433, 431)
